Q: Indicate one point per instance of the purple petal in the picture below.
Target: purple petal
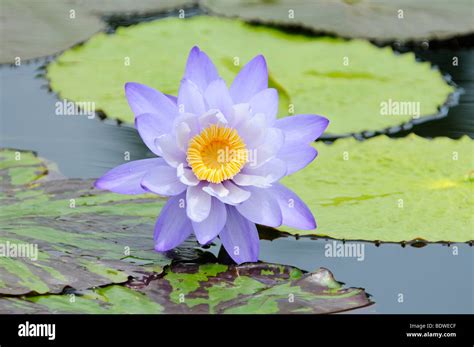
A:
(252, 79)
(297, 155)
(263, 176)
(143, 99)
(210, 227)
(302, 127)
(227, 192)
(191, 98)
(212, 116)
(126, 178)
(217, 97)
(173, 99)
(236, 194)
(269, 149)
(200, 69)
(163, 180)
(172, 226)
(294, 211)
(170, 150)
(266, 102)
(187, 126)
(150, 127)
(241, 114)
(217, 190)
(261, 208)
(198, 203)
(186, 176)
(240, 237)
(253, 131)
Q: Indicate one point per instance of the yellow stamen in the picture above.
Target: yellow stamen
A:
(216, 154)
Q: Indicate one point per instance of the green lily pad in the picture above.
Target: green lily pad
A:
(20, 167)
(112, 299)
(208, 288)
(371, 19)
(353, 83)
(64, 233)
(390, 189)
(252, 288)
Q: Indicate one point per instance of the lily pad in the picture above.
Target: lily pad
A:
(390, 190)
(43, 27)
(112, 299)
(209, 288)
(371, 19)
(83, 237)
(350, 82)
(20, 167)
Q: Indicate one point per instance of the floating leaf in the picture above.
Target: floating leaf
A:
(44, 27)
(390, 189)
(209, 288)
(84, 238)
(371, 19)
(347, 81)
(20, 167)
(107, 300)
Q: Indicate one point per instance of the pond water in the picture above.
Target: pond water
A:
(432, 279)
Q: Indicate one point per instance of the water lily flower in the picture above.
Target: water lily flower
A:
(221, 152)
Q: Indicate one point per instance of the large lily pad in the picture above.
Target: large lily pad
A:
(344, 80)
(391, 189)
(40, 28)
(84, 237)
(209, 288)
(371, 19)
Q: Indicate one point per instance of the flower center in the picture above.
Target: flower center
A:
(216, 154)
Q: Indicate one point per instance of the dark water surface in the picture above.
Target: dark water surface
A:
(432, 279)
